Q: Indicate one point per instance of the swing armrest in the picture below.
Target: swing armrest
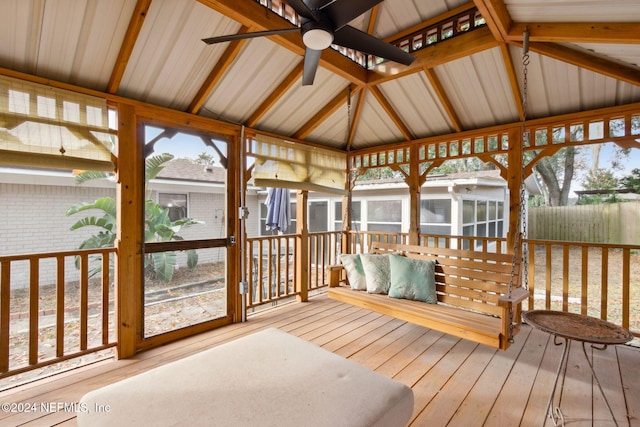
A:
(518, 295)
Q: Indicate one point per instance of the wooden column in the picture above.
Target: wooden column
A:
(234, 199)
(514, 182)
(413, 181)
(302, 260)
(130, 223)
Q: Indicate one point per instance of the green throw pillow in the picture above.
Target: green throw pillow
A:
(355, 271)
(376, 270)
(413, 279)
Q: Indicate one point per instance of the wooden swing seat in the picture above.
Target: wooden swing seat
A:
(472, 289)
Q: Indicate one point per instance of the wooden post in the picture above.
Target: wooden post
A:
(413, 181)
(302, 260)
(130, 223)
(514, 182)
(234, 200)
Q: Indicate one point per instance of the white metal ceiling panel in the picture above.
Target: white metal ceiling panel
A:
(333, 131)
(556, 87)
(254, 75)
(573, 10)
(479, 90)
(169, 62)
(414, 99)
(301, 103)
(66, 40)
(626, 53)
(375, 126)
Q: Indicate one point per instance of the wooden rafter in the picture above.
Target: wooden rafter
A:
(218, 71)
(578, 32)
(497, 17)
(455, 48)
(135, 25)
(274, 96)
(355, 118)
(444, 99)
(326, 111)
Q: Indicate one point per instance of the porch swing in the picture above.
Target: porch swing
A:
(479, 295)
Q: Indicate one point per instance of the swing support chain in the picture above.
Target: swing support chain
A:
(521, 226)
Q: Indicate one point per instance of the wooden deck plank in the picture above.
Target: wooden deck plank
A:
(482, 397)
(630, 375)
(455, 382)
(511, 403)
(605, 363)
(454, 392)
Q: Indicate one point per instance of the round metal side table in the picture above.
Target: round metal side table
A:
(568, 327)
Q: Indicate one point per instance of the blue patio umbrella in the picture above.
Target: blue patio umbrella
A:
(278, 209)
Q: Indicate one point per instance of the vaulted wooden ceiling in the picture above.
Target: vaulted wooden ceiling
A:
(584, 55)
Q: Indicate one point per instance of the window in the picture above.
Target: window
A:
(356, 216)
(482, 218)
(435, 216)
(176, 203)
(384, 215)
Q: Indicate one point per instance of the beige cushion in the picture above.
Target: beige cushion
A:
(269, 378)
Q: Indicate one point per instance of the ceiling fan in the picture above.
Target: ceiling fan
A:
(323, 23)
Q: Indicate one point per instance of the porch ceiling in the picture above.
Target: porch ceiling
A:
(585, 54)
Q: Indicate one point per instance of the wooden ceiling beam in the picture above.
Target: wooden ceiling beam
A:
(444, 99)
(446, 51)
(326, 111)
(277, 94)
(587, 61)
(577, 32)
(252, 14)
(126, 48)
(497, 17)
(355, 119)
(221, 67)
(391, 112)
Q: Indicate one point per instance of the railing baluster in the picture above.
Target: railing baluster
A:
(5, 307)
(626, 296)
(34, 283)
(585, 281)
(60, 306)
(106, 282)
(604, 279)
(84, 300)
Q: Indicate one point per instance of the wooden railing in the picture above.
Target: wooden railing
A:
(270, 269)
(324, 250)
(599, 280)
(50, 311)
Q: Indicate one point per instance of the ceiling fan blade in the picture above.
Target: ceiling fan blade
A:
(355, 39)
(341, 12)
(242, 36)
(311, 61)
(303, 10)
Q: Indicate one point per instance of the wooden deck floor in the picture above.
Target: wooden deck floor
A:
(455, 382)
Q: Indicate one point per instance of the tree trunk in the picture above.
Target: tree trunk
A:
(557, 195)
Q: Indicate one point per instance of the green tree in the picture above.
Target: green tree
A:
(158, 225)
(631, 181)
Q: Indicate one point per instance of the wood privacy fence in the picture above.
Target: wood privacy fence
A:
(617, 223)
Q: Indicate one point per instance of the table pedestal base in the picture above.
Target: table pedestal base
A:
(554, 412)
